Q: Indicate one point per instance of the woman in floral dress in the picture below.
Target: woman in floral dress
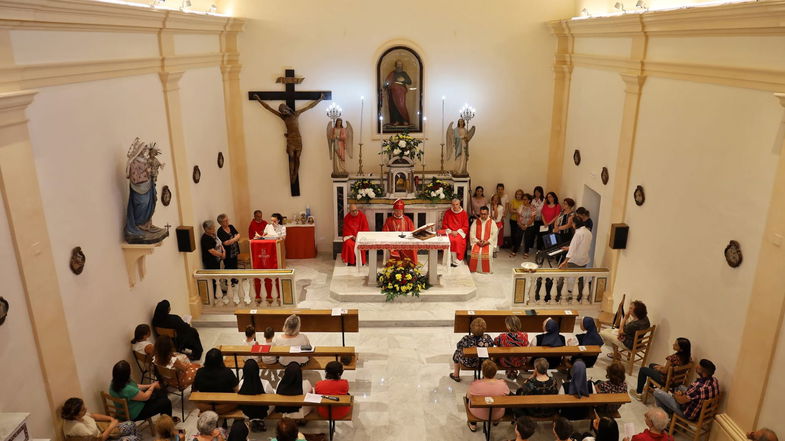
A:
(512, 338)
(477, 338)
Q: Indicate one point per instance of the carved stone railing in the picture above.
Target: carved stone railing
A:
(236, 286)
(550, 286)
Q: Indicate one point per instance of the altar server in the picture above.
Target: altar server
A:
(353, 223)
(483, 236)
(399, 222)
(455, 224)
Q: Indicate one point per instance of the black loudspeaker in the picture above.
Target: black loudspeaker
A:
(619, 233)
(185, 239)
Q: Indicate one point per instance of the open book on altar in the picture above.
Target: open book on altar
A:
(425, 232)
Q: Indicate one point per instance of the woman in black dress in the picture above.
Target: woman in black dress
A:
(187, 339)
(230, 239)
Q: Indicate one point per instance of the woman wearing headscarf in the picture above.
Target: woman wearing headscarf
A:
(590, 338)
(578, 386)
(238, 432)
(252, 385)
(292, 383)
(187, 339)
(551, 338)
(215, 377)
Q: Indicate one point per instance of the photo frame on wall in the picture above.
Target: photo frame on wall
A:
(576, 157)
(399, 88)
(197, 175)
(639, 196)
(604, 176)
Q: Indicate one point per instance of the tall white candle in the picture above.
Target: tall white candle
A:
(442, 137)
(362, 108)
(381, 125)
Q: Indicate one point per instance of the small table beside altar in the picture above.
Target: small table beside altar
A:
(389, 241)
(300, 241)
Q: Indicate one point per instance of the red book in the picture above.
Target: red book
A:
(257, 348)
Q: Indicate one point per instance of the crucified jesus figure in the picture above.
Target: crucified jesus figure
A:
(294, 142)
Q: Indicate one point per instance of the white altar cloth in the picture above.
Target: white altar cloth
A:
(389, 240)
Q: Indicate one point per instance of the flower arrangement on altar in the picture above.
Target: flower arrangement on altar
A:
(401, 277)
(402, 145)
(365, 190)
(437, 190)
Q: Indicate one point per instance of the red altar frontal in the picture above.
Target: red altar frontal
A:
(268, 254)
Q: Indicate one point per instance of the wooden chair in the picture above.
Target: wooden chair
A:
(702, 426)
(118, 408)
(166, 331)
(612, 320)
(145, 364)
(676, 376)
(639, 352)
(169, 378)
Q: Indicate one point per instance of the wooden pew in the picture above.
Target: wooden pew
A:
(518, 401)
(312, 320)
(533, 352)
(529, 323)
(319, 358)
(215, 398)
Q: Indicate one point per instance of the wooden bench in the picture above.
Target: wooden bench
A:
(318, 359)
(531, 351)
(215, 398)
(311, 320)
(519, 401)
(529, 323)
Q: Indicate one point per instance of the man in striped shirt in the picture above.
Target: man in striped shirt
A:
(687, 401)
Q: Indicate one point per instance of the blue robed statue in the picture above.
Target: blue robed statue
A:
(142, 172)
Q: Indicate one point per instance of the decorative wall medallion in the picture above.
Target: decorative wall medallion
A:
(4, 306)
(604, 176)
(639, 196)
(733, 254)
(166, 196)
(220, 160)
(197, 174)
(576, 157)
(77, 260)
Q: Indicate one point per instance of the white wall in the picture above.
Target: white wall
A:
(496, 58)
(773, 401)
(21, 367)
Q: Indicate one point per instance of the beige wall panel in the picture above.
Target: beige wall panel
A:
(501, 65)
(748, 51)
(204, 125)
(80, 136)
(703, 155)
(774, 399)
(39, 46)
(21, 368)
(609, 46)
(594, 122)
(196, 44)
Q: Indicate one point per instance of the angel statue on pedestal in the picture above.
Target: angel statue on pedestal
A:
(458, 138)
(339, 140)
(142, 172)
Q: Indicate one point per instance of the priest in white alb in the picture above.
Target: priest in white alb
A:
(455, 224)
(483, 235)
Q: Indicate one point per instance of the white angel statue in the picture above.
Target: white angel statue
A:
(458, 138)
(339, 141)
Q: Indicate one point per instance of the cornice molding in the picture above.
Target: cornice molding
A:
(13, 106)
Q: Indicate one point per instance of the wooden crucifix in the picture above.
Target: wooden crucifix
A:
(289, 115)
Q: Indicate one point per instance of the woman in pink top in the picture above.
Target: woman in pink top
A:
(550, 210)
(488, 386)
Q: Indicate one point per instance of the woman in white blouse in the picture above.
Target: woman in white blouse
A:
(275, 229)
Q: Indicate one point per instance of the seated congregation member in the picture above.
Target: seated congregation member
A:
(539, 383)
(207, 428)
(215, 377)
(578, 386)
(762, 434)
(487, 386)
(551, 338)
(687, 401)
(275, 229)
(252, 384)
(636, 319)
(250, 340)
(187, 340)
(144, 400)
(658, 372)
(512, 338)
(333, 385)
(455, 225)
(562, 429)
(269, 335)
(615, 384)
(477, 338)
(292, 383)
(165, 430)
(256, 227)
(165, 356)
(77, 422)
(483, 240)
(657, 422)
(524, 428)
(604, 428)
(291, 337)
(589, 338)
(286, 430)
(353, 223)
(238, 432)
(141, 343)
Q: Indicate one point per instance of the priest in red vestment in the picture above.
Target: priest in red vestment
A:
(256, 228)
(399, 222)
(455, 224)
(483, 234)
(353, 223)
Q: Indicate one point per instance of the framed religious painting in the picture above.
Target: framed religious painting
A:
(399, 88)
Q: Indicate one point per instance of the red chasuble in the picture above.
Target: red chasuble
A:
(256, 227)
(351, 226)
(456, 222)
(402, 224)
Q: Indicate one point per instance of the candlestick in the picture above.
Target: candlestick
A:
(362, 108)
(381, 125)
(442, 137)
(360, 171)
(424, 119)
(441, 166)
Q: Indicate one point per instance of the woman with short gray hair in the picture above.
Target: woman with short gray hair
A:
(291, 337)
(207, 425)
(539, 383)
(212, 252)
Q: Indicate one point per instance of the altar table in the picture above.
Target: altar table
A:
(389, 241)
(300, 242)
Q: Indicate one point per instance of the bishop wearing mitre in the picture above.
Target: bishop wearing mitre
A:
(353, 223)
(455, 225)
(399, 222)
(483, 234)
